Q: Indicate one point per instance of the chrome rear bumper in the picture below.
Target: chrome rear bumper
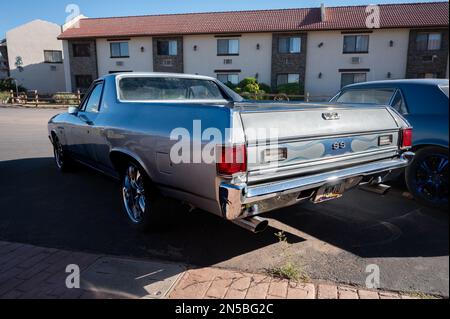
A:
(239, 201)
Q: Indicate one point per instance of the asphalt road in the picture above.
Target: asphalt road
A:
(332, 241)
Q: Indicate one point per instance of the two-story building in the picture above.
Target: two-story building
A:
(321, 49)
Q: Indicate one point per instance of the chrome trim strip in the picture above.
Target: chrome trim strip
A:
(301, 106)
(388, 151)
(286, 140)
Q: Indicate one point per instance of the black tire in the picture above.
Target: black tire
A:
(427, 177)
(142, 202)
(62, 160)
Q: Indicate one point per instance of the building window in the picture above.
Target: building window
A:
(287, 78)
(429, 75)
(289, 45)
(350, 78)
(429, 41)
(167, 47)
(356, 44)
(51, 56)
(228, 78)
(83, 81)
(81, 50)
(119, 50)
(228, 47)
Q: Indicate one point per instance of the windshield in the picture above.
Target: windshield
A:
(365, 96)
(444, 89)
(166, 88)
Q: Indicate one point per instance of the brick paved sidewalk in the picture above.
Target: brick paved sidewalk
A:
(213, 283)
(33, 272)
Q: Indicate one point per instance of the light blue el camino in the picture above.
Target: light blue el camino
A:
(425, 104)
(129, 126)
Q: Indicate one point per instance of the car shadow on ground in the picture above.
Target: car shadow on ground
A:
(83, 211)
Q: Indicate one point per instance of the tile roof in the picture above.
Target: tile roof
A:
(432, 14)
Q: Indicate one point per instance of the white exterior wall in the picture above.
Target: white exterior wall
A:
(328, 59)
(137, 62)
(250, 60)
(29, 42)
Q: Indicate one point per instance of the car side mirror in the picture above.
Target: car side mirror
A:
(72, 110)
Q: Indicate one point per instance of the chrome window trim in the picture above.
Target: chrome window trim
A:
(82, 107)
(169, 75)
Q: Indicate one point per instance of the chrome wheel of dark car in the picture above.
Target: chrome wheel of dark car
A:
(134, 196)
(427, 177)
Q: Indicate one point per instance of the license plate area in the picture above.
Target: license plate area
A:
(329, 192)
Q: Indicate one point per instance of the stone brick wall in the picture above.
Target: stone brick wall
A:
(83, 65)
(283, 63)
(419, 62)
(167, 63)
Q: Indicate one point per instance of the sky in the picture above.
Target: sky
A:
(16, 12)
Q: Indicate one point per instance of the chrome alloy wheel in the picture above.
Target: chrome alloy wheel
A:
(133, 192)
(59, 154)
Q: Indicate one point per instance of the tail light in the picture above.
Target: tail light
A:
(232, 160)
(406, 138)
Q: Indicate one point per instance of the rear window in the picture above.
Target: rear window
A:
(370, 96)
(160, 89)
(444, 89)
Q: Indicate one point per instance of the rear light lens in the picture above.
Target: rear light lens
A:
(406, 138)
(232, 160)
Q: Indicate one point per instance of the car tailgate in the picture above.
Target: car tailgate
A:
(314, 137)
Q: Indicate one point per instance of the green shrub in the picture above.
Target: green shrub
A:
(4, 97)
(247, 81)
(65, 98)
(291, 89)
(9, 84)
(251, 89)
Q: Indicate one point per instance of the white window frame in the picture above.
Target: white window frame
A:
(121, 54)
(292, 41)
(231, 49)
(59, 56)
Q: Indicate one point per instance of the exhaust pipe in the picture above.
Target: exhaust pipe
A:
(379, 189)
(254, 224)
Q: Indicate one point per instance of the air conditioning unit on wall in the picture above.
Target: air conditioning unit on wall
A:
(356, 60)
(119, 63)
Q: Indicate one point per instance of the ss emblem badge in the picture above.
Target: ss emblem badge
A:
(338, 146)
(330, 116)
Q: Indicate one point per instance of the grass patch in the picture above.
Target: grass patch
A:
(289, 270)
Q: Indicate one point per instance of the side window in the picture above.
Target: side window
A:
(398, 103)
(92, 104)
